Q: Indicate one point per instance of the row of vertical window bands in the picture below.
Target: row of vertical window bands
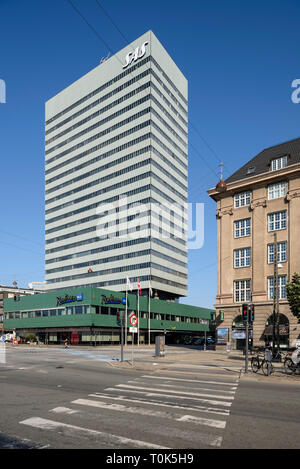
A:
(116, 103)
(276, 221)
(73, 169)
(242, 289)
(242, 257)
(118, 125)
(170, 129)
(111, 164)
(102, 110)
(116, 79)
(129, 255)
(120, 282)
(113, 270)
(101, 122)
(115, 198)
(128, 71)
(275, 191)
(147, 200)
(85, 309)
(118, 221)
(114, 187)
(121, 233)
(120, 245)
(126, 145)
(96, 182)
(112, 176)
(117, 149)
(116, 162)
(169, 80)
(106, 131)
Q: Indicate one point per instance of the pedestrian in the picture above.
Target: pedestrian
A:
(66, 343)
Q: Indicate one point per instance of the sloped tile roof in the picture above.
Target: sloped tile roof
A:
(261, 162)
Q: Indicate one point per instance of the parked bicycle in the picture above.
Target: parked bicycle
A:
(292, 362)
(263, 361)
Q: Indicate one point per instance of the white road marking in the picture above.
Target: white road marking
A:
(137, 381)
(220, 383)
(45, 424)
(63, 410)
(155, 394)
(202, 421)
(209, 410)
(150, 413)
(174, 392)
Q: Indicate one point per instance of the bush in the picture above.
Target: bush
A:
(31, 338)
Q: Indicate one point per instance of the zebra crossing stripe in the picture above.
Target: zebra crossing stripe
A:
(209, 410)
(150, 413)
(70, 430)
(186, 393)
(174, 386)
(158, 394)
(219, 383)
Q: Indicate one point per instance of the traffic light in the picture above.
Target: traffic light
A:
(245, 312)
(221, 315)
(251, 315)
(15, 297)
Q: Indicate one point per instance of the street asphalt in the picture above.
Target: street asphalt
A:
(84, 397)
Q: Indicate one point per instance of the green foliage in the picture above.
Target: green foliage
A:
(31, 338)
(293, 295)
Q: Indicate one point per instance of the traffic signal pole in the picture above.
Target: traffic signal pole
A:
(122, 338)
(247, 343)
(248, 317)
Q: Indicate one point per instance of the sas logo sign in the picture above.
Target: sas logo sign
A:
(138, 53)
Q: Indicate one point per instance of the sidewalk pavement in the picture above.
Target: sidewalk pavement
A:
(189, 359)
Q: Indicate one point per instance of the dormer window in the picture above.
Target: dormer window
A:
(251, 170)
(279, 163)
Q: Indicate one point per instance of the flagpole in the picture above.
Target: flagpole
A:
(126, 314)
(149, 316)
(138, 317)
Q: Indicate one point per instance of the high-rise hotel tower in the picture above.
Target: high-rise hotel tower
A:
(116, 175)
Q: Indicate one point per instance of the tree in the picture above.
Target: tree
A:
(293, 295)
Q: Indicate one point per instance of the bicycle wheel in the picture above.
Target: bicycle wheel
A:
(267, 367)
(254, 364)
(289, 366)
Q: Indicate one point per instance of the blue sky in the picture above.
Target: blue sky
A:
(240, 58)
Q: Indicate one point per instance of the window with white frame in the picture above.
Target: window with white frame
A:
(277, 221)
(242, 199)
(242, 290)
(279, 163)
(242, 228)
(277, 190)
(242, 257)
(281, 252)
(281, 287)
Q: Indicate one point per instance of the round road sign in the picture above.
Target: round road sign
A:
(133, 320)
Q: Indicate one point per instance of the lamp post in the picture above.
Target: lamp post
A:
(275, 298)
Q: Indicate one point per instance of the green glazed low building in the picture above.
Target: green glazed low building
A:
(90, 316)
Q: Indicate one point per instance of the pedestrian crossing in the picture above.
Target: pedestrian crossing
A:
(151, 411)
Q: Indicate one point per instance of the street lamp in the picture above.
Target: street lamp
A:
(275, 298)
